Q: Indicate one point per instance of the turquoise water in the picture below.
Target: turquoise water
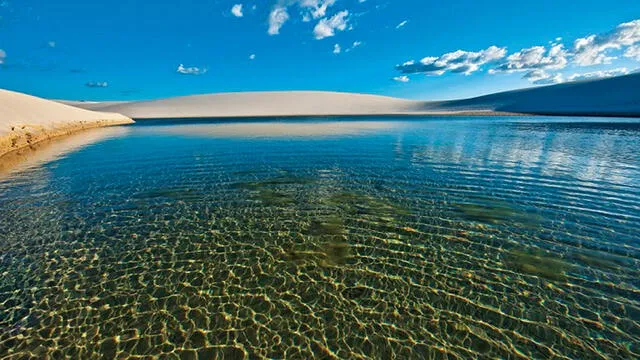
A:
(437, 238)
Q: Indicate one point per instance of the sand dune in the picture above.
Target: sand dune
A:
(261, 104)
(618, 96)
(26, 120)
(609, 97)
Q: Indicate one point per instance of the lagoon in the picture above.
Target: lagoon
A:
(434, 237)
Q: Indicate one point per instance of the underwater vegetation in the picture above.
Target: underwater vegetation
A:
(169, 193)
(539, 263)
(492, 211)
(274, 181)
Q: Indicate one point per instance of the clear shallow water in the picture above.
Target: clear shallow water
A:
(443, 238)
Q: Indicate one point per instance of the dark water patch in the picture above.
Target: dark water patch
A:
(273, 182)
(168, 193)
(331, 226)
(539, 263)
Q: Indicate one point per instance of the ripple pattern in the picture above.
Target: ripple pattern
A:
(514, 239)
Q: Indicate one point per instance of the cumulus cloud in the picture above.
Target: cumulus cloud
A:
(465, 62)
(252, 57)
(633, 52)
(277, 18)
(541, 77)
(536, 57)
(327, 27)
(97, 84)
(309, 9)
(337, 49)
(599, 74)
(190, 70)
(595, 49)
(236, 10)
(402, 24)
(316, 8)
(3, 56)
(403, 78)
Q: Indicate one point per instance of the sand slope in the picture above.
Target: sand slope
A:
(26, 120)
(261, 104)
(609, 97)
(618, 96)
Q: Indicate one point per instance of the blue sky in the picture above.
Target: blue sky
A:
(101, 50)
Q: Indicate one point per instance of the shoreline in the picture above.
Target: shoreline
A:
(27, 120)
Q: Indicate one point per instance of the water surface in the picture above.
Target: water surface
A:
(431, 238)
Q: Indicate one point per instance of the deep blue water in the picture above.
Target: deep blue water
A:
(464, 237)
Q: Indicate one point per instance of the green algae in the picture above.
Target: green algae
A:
(539, 263)
(492, 211)
(333, 225)
(272, 197)
(169, 193)
(274, 181)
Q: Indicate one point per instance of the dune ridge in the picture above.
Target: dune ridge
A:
(605, 97)
(26, 120)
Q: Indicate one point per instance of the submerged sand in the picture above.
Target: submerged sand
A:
(26, 120)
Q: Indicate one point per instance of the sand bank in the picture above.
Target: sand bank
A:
(26, 120)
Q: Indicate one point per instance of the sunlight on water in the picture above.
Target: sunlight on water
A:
(438, 238)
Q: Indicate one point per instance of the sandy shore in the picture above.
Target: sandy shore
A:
(26, 120)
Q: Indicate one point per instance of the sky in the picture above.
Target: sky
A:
(417, 49)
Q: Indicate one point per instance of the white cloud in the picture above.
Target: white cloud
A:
(252, 57)
(536, 57)
(633, 52)
(599, 74)
(337, 49)
(277, 18)
(403, 78)
(317, 8)
(3, 55)
(327, 27)
(354, 45)
(402, 24)
(595, 49)
(190, 70)
(236, 10)
(51, 44)
(465, 62)
(309, 10)
(97, 84)
(541, 77)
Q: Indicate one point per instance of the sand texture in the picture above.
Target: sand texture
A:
(26, 120)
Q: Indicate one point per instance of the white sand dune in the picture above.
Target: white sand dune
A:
(609, 97)
(261, 104)
(26, 120)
